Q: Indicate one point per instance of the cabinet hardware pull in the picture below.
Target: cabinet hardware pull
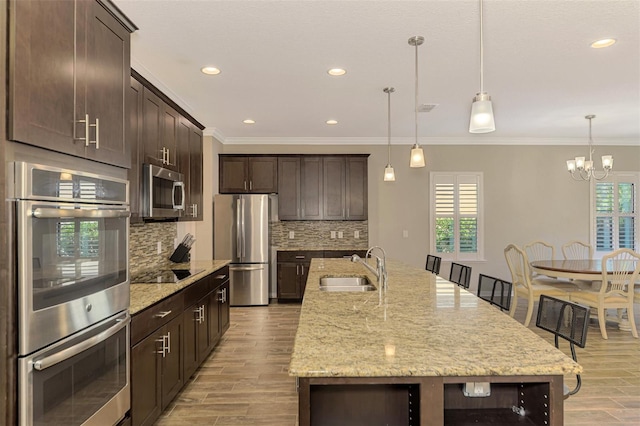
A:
(97, 141)
(168, 157)
(168, 342)
(302, 269)
(203, 313)
(250, 185)
(163, 348)
(86, 130)
(300, 256)
(162, 314)
(224, 295)
(220, 277)
(245, 185)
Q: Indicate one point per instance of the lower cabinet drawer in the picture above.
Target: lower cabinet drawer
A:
(155, 317)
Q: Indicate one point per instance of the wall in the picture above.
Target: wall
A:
(528, 194)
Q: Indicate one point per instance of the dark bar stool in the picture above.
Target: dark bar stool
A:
(433, 264)
(495, 291)
(460, 274)
(567, 320)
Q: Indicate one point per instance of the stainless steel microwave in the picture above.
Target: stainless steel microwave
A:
(163, 195)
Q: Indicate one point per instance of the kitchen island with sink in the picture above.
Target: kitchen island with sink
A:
(428, 353)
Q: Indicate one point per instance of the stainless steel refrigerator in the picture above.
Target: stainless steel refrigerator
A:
(241, 233)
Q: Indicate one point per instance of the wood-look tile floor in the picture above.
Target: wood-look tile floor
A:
(245, 382)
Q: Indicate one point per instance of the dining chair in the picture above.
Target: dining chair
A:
(433, 264)
(620, 272)
(568, 320)
(460, 274)
(495, 291)
(539, 250)
(577, 250)
(530, 288)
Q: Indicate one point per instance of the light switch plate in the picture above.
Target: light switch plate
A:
(333, 234)
(356, 234)
(340, 234)
(405, 234)
(292, 235)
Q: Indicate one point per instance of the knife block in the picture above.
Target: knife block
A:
(180, 254)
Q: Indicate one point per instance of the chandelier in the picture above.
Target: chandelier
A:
(582, 169)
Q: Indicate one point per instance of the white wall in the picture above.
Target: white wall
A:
(528, 195)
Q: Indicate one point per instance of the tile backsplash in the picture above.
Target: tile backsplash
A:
(314, 234)
(143, 244)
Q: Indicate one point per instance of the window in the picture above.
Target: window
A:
(456, 214)
(614, 212)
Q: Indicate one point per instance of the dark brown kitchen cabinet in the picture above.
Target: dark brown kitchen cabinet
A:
(248, 174)
(159, 131)
(289, 188)
(311, 200)
(334, 194)
(69, 67)
(134, 134)
(190, 157)
(156, 359)
(356, 188)
(169, 342)
(322, 187)
(293, 269)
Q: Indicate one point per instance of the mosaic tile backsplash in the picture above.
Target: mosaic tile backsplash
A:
(143, 244)
(317, 234)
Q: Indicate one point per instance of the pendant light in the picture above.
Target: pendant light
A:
(582, 169)
(417, 155)
(481, 120)
(389, 174)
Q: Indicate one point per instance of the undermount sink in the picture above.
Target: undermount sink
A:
(346, 284)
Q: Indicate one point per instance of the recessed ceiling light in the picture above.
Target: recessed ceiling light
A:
(210, 70)
(249, 121)
(605, 42)
(337, 71)
(332, 122)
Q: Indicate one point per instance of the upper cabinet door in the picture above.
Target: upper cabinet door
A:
(108, 74)
(263, 175)
(289, 188)
(356, 188)
(334, 189)
(68, 75)
(233, 175)
(42, 71)
(311, 188)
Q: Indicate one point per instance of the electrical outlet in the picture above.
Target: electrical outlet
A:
(292, 235)
(405, 234)
(159, 247)
(333, 234)
(356, 234)
(340, 234)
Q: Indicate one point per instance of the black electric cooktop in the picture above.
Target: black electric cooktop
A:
(165, 276)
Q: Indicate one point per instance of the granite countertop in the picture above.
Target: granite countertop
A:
(145, 295)
(319, 248)
(425, 326)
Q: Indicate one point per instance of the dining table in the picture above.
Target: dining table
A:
(576, 269)
(573, 269)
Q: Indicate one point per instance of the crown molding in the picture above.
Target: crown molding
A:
(470, 140)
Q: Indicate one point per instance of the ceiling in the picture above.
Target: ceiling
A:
(539, 68)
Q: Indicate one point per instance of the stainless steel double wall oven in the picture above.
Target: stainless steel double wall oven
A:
(73, 295)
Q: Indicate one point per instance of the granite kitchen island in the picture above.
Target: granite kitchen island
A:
(407, 360)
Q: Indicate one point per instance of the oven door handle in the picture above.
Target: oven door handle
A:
(51, 213)
(58, 357)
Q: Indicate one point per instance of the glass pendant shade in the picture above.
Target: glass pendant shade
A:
(417, 156)
(389, 174)
(481, 120)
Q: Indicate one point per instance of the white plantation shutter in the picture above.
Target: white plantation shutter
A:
(456, 215)
(615, 214)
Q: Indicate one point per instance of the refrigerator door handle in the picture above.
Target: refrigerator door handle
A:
(243, 233)
(246, 268)
(238, 229)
